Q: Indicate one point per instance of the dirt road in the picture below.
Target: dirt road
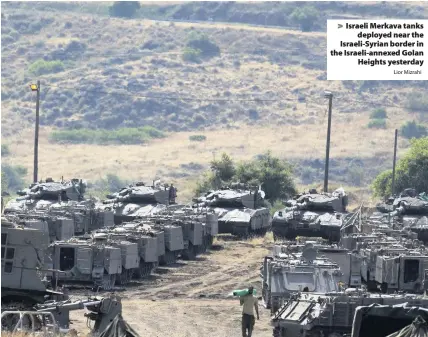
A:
(193, 298)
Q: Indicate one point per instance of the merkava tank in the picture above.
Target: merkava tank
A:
(312, 214)
(408, 210)
(330, 314)
(85, 261)
(41, 195)
(297, 272)
(349, 261)
(139, 201)
(23, 276)
(60, 199)
(389, 263)
(239, 210)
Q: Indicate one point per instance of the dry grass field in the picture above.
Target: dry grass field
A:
(165, 157)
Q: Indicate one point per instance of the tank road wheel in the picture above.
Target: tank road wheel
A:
(189, 253)
(241, 233)
(126, 276)
(108, 281)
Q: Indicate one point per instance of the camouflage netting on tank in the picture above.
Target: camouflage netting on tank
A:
(119, 328)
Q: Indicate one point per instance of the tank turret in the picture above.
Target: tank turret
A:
(311, 214)
(239, 209)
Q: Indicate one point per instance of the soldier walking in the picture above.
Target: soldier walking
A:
(249, 303)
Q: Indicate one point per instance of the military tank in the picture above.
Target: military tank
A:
(239, 210)
(408, 210)
(24, 281)
(60, 199)
(85, 261)
(330, 314)
(296, 272)
(139, 201)
(312, 214)
(41, 195)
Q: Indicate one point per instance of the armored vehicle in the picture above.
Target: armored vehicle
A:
(408, 210)
(86, 261)
(297, 272)
(23, 277)
(40, 196)
(240, 211)
(139, 200)
(330, 314)
(311, 214)
(400, 320)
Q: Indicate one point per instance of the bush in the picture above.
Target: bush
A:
(305, 17)
(378, 114)
(273, 174)
(413, 130)
(110, 184)
(201, 42)
(124, 9)
(417, 101)
(41, 67)
(5, 150)
(13, 177)
(377, 124)
(197, 138)
(411, 172)
(118, 136)
(191, 55)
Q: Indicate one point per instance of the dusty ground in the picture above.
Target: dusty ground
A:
(193, 298)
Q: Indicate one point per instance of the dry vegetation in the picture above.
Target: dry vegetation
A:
(286, 68)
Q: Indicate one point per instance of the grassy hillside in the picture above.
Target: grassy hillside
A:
(252, 89)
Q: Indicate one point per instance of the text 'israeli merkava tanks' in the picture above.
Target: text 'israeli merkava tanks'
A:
(311, 214)
(329, 314)
(288, 273)
(51, 201)
(240, 211)
(139, 201)
(408, 210)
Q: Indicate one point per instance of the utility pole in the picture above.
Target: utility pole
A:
(36, 87)
(328, 95)
(393, 164)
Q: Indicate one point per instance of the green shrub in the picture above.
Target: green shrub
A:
(124, 9)
(5, 150)
(119, 136)
(197, 138)
(201, 42)
(378, 114)
(191, 55)
(13, 177)
(413, 130)
(417, 101)
(41, 67)
(305, 16)
(377, 124)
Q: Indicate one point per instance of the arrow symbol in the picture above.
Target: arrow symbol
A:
(339, 25)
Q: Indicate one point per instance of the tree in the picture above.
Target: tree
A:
(273, 174)
(124, 9)
(411, 172)
(413, 130)
(305, 17)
